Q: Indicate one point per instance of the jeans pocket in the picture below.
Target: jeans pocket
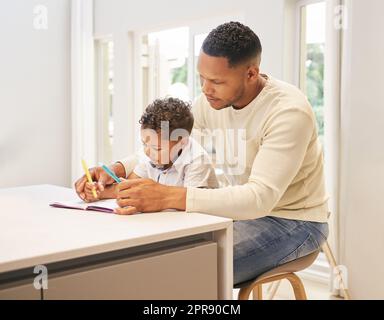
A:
(308, 246)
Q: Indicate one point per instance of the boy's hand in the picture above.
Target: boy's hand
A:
(109, 192)
(89, 197)
(100, 178)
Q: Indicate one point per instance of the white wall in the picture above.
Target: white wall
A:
(34, 94)
(362, 154)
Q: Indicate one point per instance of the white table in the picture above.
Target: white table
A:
(32, 233)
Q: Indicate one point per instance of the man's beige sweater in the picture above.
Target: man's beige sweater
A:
(280, 173)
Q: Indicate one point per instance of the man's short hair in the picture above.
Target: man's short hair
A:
(234, 41)
(175, 111)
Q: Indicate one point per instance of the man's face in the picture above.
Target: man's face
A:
(222, 85)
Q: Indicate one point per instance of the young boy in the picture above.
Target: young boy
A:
(170, 156)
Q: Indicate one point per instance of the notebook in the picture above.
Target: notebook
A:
(101, 205)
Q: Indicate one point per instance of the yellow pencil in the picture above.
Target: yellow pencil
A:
(85, 167)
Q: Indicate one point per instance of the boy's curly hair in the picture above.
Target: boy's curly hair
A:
(175, 111)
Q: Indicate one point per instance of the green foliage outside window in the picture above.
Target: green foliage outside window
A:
(180, 74)
(315, 82)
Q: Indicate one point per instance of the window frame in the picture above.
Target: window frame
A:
(299, 73)
(320, 270)
(83, 141)
(101, 93)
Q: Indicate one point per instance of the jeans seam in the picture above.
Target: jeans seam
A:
(275, 240)
(304, 223)
(319, 231)
(251, 253)
(297, 249)
(324, 236)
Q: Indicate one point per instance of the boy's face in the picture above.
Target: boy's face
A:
(160, 151)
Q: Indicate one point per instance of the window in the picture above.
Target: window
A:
(165, 64)
(168, 62)
(311, 16)
(104, 99)
(312, 43)
(197, 44)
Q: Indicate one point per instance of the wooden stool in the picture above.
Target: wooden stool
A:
(284, 271)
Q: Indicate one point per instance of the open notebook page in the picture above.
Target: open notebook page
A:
(101, 205)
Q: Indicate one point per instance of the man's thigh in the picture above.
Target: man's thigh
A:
(262, 244)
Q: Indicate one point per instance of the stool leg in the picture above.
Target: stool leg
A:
(273, 289)
(297, 285)
(332, 262)
(244, 293)
(258, 292)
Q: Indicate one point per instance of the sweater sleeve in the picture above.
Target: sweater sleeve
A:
(129, 164)
(286, 137)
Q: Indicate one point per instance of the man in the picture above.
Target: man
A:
(278, 199)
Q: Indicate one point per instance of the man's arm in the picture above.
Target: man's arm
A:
(145, 195)
(275, 166)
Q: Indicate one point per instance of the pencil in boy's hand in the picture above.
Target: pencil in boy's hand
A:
(110, 173)
(89, 178)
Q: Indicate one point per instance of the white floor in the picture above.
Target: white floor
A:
(314, 290)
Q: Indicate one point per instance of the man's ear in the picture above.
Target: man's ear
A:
(253, 72)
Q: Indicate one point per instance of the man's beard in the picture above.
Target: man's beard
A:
(232, 102)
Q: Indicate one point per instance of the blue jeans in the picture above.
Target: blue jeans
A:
(265, 243)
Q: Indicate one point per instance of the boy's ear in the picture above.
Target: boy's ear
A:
(184, 141)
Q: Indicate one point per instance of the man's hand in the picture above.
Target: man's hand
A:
(100, 178)
(145, 195)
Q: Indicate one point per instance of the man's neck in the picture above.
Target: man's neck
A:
(252, 94)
